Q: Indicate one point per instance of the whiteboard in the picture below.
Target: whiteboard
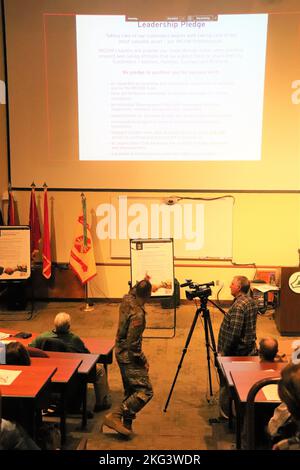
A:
(153, 258)
(200, 229)
(14, 253)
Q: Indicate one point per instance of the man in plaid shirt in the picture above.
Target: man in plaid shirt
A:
(237, 334)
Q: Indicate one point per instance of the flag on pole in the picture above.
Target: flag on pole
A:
(34, 224)
(11, 208)
(82, 259)
(46, 239)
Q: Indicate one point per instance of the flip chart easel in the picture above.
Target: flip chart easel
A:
(15, 261)
(154, 258)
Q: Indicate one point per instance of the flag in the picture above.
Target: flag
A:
(82, 259)
(11, 209)
(46, 239)
(34, 225)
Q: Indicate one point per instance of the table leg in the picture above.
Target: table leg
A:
(84, 405)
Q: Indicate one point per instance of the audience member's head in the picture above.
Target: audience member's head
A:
(268, 348)
(17, 354)
(143, 289)
(289, 389)
(239, 284)
(62, 323)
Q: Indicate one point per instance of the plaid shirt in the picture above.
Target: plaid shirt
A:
(237, 334)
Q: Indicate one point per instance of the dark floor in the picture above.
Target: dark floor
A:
(185, 424)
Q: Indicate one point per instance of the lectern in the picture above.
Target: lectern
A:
(287, 315)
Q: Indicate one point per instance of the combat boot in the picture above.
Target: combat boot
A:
(114, 421)
(128, 423)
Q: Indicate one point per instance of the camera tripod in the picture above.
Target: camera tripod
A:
(209, 343)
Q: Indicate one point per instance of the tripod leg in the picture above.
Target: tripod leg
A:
(212, 339)
(208, 346)
(182, 357)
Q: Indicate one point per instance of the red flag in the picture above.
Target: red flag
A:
(34, 225)
(11, 209)
(82, 259)
(46, 239)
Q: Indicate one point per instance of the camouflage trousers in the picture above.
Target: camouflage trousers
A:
(137, 388)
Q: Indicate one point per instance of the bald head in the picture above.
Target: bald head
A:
(62, 323)
(268, 348)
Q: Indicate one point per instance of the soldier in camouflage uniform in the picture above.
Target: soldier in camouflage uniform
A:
(131, 359)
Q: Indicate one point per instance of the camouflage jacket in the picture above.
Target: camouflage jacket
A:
(132, 323)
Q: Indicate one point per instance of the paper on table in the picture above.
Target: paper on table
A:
(8, 376)
(264, 287)
(4, 335)
(271, 392)
(236, 362)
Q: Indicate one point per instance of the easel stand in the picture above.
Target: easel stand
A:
(173, 327)
(16, 302)
(209, 343)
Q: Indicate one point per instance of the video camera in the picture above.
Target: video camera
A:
(197, 290)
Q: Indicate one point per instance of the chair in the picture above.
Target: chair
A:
(51, 344)
(35, 352)
(250, 435)
(74, 397)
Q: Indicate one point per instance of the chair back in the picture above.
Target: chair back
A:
(250, 434)
(52, 344)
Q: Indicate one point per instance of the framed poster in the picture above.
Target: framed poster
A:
(14, 253)
(153, 258)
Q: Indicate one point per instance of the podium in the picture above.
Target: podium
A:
(287, 315)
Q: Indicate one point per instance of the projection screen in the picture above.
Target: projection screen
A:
(167, 96)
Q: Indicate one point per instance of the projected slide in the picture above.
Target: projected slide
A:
(170, 90)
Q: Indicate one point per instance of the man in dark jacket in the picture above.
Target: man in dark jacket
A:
(73, 343)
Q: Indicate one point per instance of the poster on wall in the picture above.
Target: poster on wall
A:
(153, 259)
(14, 253)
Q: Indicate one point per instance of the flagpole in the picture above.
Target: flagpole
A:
(88, 306)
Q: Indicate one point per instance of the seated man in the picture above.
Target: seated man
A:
(268, 350)
(17, 354)
(289, 393)
(13, 436)
(62, 331)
